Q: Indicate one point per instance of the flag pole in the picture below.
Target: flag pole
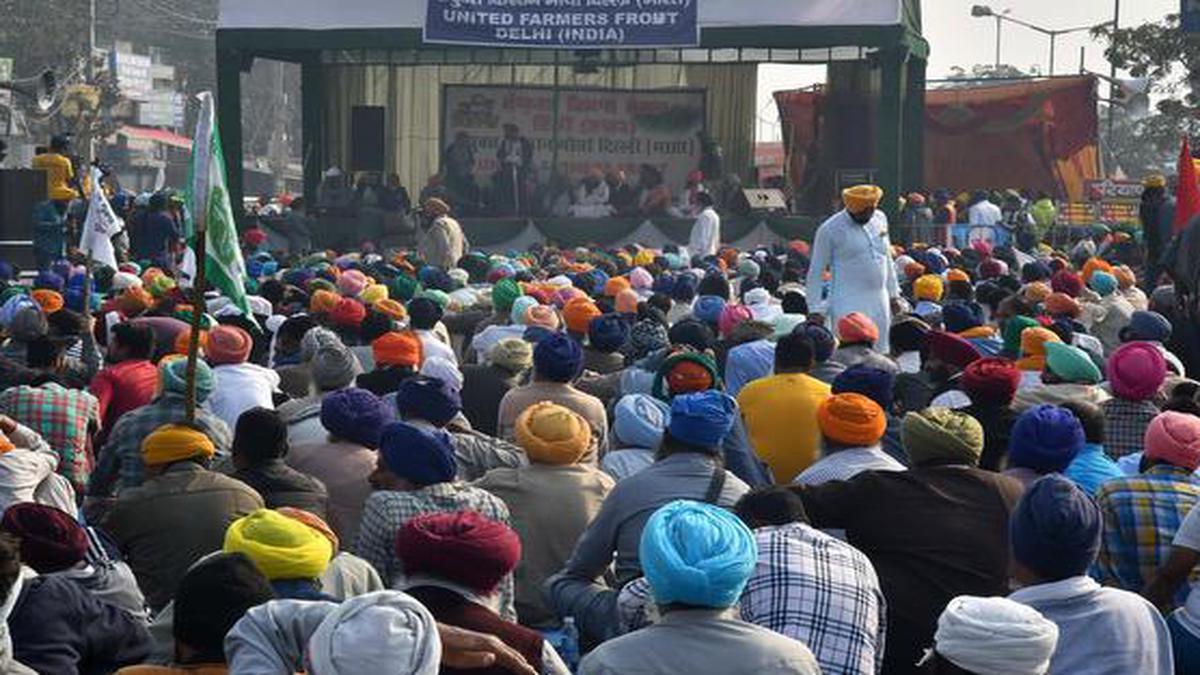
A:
(198, 310)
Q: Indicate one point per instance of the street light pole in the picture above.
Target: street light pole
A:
(999, 25)
(1112, 71)
(1053, 37)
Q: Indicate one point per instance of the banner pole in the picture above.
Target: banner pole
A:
(198, 309)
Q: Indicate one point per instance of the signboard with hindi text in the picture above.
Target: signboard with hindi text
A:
(602, 129)
(563, 24)
(1116, 201)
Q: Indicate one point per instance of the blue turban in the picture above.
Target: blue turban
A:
(962, 316)
(608, 333)
(1045, 438)
(172, 376)
(598, 280)
(418, 456)
(558, 357)
(1035, 271)
(708, 309)
(516, 313)
(298, 277)
(1103, 283)
(355, 415)
(269, 268)
(697, 554)
(428, 398)
(684, 289)
(822, 339)
(665, 284)
(6, 271)
(1147, 327)
(639, 421)
(1055, 530)
(703, 418)
(48, 280)
(254, 269)
(935, 262)
(874, 383)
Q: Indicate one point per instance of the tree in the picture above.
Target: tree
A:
(1161, 52)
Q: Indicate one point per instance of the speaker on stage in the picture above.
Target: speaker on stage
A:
(760, 201)
(366, 138)
(20, 190)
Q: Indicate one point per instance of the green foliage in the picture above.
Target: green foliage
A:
(1160, 51)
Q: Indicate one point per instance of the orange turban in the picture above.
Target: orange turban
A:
(552, 434)
(913, 270)
(862, 197)
(397, 348)
(627, 302)
(957, 275)
(393, 309)
(1125, 276)
(323, 302)
(614, 286)
(851, 419)
(1094, 265)
(1061, 304)
(175, 442)
(50, 301)
(184, 339)
(579, 314)
(1033, 347)
(134, 301)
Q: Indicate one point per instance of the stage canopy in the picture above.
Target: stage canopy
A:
(376, 53)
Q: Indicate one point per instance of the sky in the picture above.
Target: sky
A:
(958, 39)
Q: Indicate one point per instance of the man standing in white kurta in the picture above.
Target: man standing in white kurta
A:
(706, 233)
(854, 246)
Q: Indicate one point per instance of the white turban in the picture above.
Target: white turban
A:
(995, 636)
(444, 370)
(385, 633)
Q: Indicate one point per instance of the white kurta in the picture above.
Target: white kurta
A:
(863, 278)
(706, 234)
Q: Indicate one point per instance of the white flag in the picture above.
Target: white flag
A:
(99, 227)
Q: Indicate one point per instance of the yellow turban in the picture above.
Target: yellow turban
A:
(552, 434)
(1155, 181)
(644, 257)
(928, 287)
(323, 301)
(175, 442)
(862, 197)
(393, 309)
(373, 294)
(281, 547)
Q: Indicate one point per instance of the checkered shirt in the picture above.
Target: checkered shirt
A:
(387, 510)
(822, 592)
(119, 465)
(61, 416)
(1125, 425)
(1141, 516)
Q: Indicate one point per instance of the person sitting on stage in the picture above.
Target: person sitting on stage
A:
(590, 198)
(654, 197)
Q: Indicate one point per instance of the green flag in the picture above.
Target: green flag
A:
(211, 213)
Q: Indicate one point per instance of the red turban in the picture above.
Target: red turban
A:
(952, 349)
(1067, 282)
(228, 344)
(464, 548)
(991, 381)
(348, 313)
(51, 540)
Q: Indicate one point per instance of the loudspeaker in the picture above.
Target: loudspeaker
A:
(765, 200)
(20, 190)
(366, 138)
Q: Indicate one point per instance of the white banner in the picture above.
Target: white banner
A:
(100, 226)
(597, 128)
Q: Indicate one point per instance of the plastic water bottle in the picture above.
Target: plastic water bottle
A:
(570, 644)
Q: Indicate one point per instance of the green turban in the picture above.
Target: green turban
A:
(1012, 332)
(504, 293)
(440, 297)
(172, 375)
(942, 435)
(403, 288)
